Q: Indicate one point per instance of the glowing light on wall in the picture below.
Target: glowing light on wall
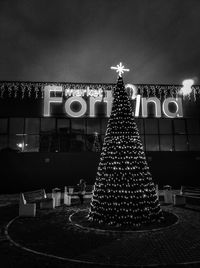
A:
(133, 89)
(187, 87)
(22, 146)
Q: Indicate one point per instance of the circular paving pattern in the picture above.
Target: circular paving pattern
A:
(53, 234)
(80, 219)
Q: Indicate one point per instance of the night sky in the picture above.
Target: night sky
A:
(78, 40)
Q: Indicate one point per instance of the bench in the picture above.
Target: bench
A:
(71, 193)
(28, 201)
(187, 193)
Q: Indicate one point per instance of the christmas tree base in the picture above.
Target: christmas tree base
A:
(80, 219)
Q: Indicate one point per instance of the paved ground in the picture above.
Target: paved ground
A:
(169, 247)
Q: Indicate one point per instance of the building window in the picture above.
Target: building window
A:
(180, 143)
(93, 125)
(16, 126)
(3, 142)
(94, 143)
(31, 143)
(63, 126)
(179, 126)
(77, 143)
(17, 142)
(193, 126)
(77, 134)
(3, 125)
(104, 123)
(152, 143)
(32, 125)
(48, 124)
(78, 126)
(165, 126)
(166, 143)
(194, 142)
(151, 126)
(77, 137)
(63, 132)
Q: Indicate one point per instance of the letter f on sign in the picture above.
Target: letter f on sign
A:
(48, 99)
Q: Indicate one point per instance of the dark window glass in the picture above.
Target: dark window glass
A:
(104, 123)
(193, 126)
(93, 125)
(179, 126)
(16, 125)
(93, 143)
(78, 125)
(64, 142)
(166, 143)
(165, 126)
(140, 125)
(180, 143)
(48, 124)
(152, 143)
(17, 142)
(31, 143)
(3, 141)
(63, 125)
(102, 139)
(77, 143)
(32, 125)
(45, 142)
(49, 142)
(151, 126)
(3, 125)
(194, 142)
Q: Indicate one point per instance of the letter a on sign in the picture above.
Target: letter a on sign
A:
(178, 105)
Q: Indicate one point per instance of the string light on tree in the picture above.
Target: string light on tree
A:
(124, 193)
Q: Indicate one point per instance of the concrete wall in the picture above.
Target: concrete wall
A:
(28, 171)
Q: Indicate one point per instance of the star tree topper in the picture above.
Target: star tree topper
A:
(120, 69)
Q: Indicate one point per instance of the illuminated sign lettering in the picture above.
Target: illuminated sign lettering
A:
(108, 100)
(178, 104)
(82, 103)
(92, 102)
(155, 101)
(86, 100)
(48, 99)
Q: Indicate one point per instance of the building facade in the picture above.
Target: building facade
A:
(51, 134)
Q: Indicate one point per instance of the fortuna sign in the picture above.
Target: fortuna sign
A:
(87, 99)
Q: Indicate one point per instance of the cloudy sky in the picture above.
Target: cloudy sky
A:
(78, 40)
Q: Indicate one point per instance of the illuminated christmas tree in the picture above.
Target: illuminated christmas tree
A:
(124, 193)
